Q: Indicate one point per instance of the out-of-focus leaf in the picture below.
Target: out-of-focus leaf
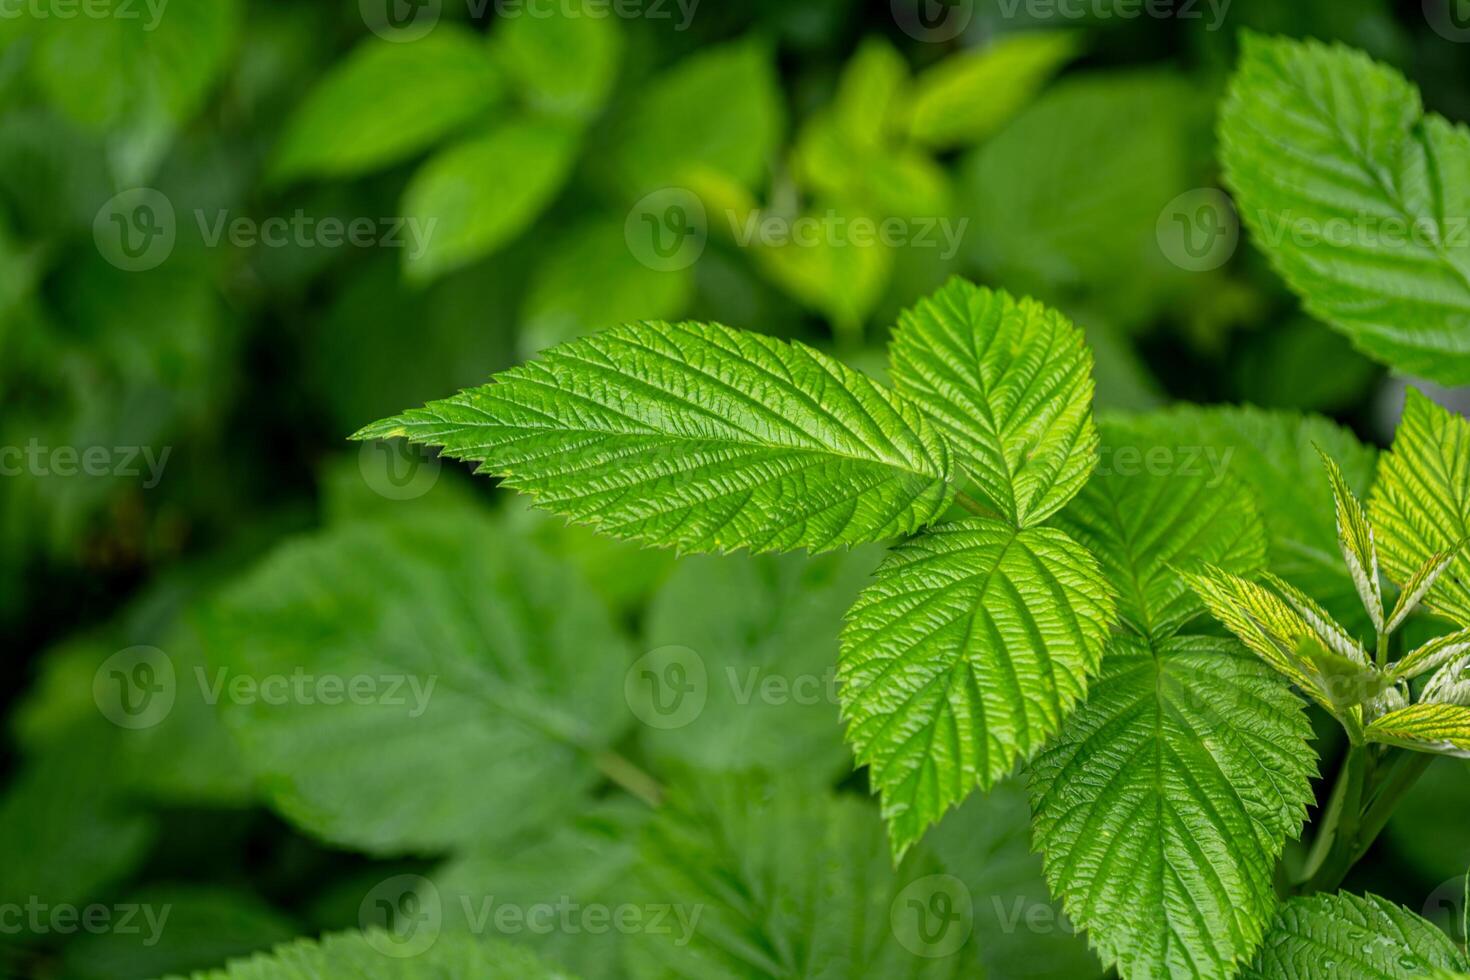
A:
(591, 279)
(178, 929)
(492, 680)
(563, 64)
(477, 195)
(762, 661)
(381, 955)
(1301, 364)
(719, 110)
(387, 101)
(770, 880)
(968, 97)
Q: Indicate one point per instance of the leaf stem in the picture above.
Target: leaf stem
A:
(1380, 652)
(630, 777)
(974, 506)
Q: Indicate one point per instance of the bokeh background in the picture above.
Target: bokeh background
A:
(234, 231)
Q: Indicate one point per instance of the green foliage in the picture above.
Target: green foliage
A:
(1357, 196)
(1344, 937)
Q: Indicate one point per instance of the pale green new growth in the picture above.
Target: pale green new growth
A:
(1344, 937)
(1425, 727)
(1421, 503)
(701, 437)
(967, 652)
(1358, 198)
(1355, 541)
(1010, 383)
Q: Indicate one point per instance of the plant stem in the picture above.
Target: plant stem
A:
(631, 778)
(974, 506)
(1366, 793)
(1380, 652)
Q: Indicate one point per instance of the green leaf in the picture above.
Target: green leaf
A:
(1164, 804)
(387, 101)
(966, 98)
(205, 926)
(717, 110)
(591, 280)
(153, 68)
(1426, 727)
(1316, 137)
(1344, 937)
(964, 656)
(1262, 621)
(1418, 586)
(491, 680)
(564, 60)
(1141, 526)
(771, 880)
(1421, 503)
(376, 955)
(586, 863)
(762, 659)
(1010, 384)
(1020, 930)
(699, 436)
(1355, 541)
(475, 196)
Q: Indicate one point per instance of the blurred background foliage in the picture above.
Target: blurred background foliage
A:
(526, 148)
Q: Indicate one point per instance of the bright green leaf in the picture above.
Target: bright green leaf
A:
(1164, 804)
(1010, 383)
(387, 101)
(965, 655)
(1355, 541)
(1358, 198)
(699, 436)
(475, 196)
